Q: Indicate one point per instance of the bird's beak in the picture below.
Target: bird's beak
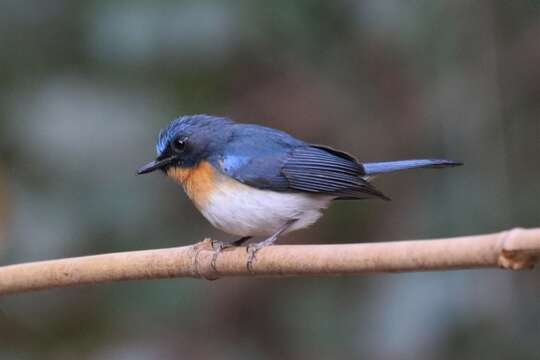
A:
(155, 165)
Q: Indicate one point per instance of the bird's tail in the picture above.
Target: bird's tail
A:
(392, 166)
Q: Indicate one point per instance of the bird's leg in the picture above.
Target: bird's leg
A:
(241, 241)
(254, 248)
(219, 246)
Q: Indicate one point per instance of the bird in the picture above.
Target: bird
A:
(254, 181)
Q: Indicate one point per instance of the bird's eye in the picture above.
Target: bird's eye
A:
(179, 145)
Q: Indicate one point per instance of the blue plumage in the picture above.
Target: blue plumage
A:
(319, 169)
(251, 180)
(187, 126)
(392, 166)
(270, 159)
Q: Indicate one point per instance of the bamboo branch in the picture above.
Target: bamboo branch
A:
(515, 249)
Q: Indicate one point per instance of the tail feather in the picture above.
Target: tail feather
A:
(392, 166)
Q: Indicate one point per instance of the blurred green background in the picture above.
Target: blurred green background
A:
(85, 87)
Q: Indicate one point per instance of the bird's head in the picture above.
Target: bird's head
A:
(188, 140)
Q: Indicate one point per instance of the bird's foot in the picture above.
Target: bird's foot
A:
(218, 247)
(252, 250)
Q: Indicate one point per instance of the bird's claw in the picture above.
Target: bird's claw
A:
(252, 250)
(218, 247)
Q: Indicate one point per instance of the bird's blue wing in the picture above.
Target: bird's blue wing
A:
(255, 155)
(282, 163)
(260, 172)
(319, 169)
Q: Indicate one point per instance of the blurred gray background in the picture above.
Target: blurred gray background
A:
(85, 87)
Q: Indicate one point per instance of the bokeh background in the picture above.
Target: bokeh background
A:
(85, 87)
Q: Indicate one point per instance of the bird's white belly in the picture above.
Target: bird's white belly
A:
(242, 210)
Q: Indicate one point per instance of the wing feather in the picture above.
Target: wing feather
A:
(322, 170)
(296, 167)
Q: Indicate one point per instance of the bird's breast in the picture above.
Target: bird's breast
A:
(243, 210)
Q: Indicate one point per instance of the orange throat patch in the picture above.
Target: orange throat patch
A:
(198, 181)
